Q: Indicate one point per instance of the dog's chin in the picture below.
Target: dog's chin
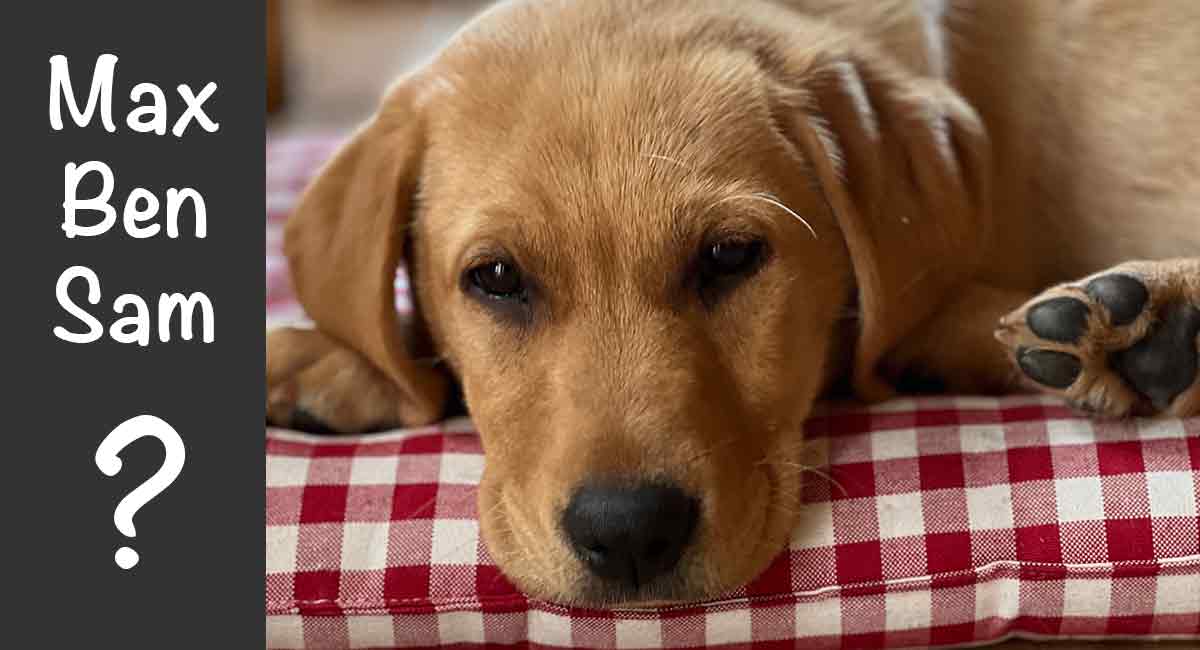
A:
(658, 593)
(678, 588)
(553, 573)
(693, 581)
(700, 576)
(703, 573)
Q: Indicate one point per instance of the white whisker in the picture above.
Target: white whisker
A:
(673, 161)
(763, 196)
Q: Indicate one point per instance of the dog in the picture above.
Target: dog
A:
(644, 236)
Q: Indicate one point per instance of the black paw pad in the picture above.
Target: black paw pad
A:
(1164, 364)
(1125, 296)
(1049, 367)
(302, 420)
(1063, 320)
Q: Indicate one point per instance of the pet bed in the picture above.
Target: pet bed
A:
(930, 522)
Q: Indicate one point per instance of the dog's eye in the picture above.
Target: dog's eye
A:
(497, 279)
(730, 258)
(723, 266)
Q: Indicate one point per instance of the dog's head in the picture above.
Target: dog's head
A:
(634, 238)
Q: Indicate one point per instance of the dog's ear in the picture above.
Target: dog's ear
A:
(344, 243)
(903, 163)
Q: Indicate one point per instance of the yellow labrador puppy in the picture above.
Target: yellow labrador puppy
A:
(644, 235)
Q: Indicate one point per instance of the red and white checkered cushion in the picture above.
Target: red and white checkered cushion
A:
(936, 521)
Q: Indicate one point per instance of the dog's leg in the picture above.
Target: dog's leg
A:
(954, 350)
(316, 384)
(1124, 341)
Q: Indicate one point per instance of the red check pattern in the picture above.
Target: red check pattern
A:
(938, 521)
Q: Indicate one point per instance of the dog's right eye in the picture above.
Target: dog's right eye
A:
(500, 280)
(723, 265)
(728, 258)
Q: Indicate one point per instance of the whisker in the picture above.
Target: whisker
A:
(780, 506)
(709, 452)
(767, 198)
(832, 481)
(673, 161)
(421, 509)
(813, 470)
(802, 467)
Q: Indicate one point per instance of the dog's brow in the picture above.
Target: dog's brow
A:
(767, 197)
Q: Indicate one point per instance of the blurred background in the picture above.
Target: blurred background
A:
(328, 65)
(329, 61)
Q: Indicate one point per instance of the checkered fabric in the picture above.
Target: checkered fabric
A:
(936, 521)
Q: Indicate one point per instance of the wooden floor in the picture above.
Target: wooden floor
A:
(339, 56)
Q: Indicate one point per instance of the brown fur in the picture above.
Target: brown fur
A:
(599, 143)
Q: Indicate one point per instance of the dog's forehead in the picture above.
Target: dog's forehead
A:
(560, 91)
(618, 146)
(565, 200)
(593, 137)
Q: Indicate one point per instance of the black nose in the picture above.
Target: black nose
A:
(630, 535)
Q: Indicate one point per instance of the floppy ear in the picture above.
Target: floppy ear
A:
(903, 163)
(344, 243)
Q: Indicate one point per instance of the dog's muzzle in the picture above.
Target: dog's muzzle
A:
(630, 536)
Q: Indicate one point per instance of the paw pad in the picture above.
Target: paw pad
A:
(1048, 367)
(1124, 296)
(1164, 364)
(1116, 344)
(1063, 320)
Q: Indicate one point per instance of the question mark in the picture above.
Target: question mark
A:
(109, 463)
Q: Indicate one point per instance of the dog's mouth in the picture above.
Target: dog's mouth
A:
(646, 546)
(661, 591)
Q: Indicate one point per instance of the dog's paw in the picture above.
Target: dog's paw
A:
(1123, 342)
(317, 385)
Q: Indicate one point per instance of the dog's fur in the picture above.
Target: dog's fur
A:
(917, 169)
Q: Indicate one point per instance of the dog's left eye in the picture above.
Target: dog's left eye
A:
(497, 280)
(728, 258)
(724, 264)
(731, 258)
